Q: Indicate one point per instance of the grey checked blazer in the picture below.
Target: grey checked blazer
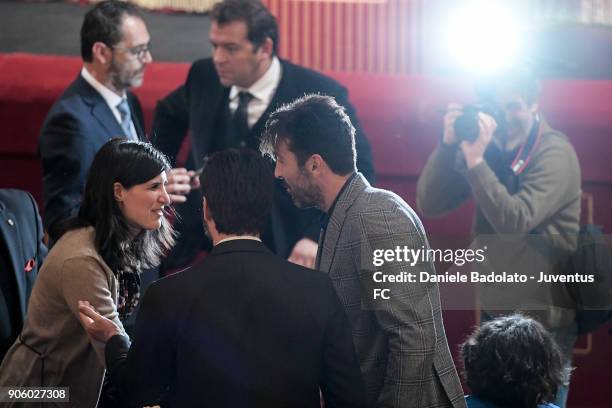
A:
(401, 343)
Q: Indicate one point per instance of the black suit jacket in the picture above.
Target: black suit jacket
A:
(21, 234)
(196, 108)
(243, 329)
(77, 125)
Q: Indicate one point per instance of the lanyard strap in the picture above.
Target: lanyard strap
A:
(527, 148)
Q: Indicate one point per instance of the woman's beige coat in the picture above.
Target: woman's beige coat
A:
(53, 349)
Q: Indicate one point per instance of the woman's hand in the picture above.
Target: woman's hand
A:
(96, 325)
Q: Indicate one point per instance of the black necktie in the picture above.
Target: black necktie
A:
(241, 117)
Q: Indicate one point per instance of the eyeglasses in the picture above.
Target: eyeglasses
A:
(139, 52)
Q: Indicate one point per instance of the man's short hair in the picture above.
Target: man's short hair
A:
(103, 24)
(238, 185)
(522, 81)
(512, 361)
(260, 23)
(313, 124)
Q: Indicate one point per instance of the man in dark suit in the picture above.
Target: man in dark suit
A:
(397, 324)
(226, 101)
(96, 107)
(22, 252)
(242, 329)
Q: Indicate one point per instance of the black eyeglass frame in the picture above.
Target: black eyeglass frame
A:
(139, 51)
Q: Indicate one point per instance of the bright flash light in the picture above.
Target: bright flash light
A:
(483, 38)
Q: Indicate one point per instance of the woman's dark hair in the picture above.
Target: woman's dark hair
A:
(512, 361)
(129, 163)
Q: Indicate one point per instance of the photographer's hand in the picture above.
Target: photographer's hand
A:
(474, 152)
(453, 111)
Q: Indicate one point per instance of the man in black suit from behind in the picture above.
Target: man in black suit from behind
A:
(244, 328)
(226, 101)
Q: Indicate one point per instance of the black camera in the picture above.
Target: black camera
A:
(466, 125)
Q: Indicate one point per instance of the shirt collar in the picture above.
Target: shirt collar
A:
(327, 215)
(111, 98)
(249, 237)
(264, 87)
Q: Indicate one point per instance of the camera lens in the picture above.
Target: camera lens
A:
(466, 125)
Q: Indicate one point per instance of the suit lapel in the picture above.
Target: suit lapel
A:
(319, 252)
(284, 93)
(260, 125)
(99, 109)
(139, 130)
(325, 255)
(136, 119)
(105, 117)
(10, 233)
(203, 129)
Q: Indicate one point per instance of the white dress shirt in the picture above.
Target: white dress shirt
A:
(263, 91)
(111, 99)
(234, 238)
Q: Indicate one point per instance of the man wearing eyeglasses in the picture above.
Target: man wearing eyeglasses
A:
(115, 47)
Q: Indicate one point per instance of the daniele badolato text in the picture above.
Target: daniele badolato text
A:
(401, 266)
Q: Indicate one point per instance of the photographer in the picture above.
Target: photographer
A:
(525, 179)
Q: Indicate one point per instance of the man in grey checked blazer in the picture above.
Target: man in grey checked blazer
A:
(400, 341)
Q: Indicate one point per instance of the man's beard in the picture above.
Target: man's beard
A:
(307, 195)
(123, 80)
(516, 133)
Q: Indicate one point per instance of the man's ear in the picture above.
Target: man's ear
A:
(267, 48)
(206, 210)
(315, 164)
(101, 53)
(118, 191)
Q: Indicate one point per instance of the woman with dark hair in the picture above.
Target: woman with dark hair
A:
(511, 362)
(120, 229)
